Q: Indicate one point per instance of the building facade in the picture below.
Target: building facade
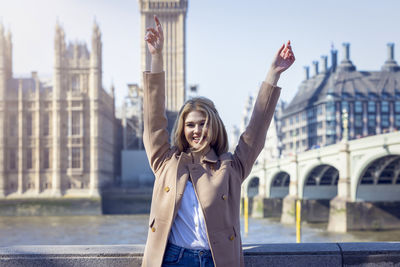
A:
(56, 137)
(369, 100)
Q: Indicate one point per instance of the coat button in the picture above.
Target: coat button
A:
(166, 189)
(153, 229)
(232, 237)
(224, 197)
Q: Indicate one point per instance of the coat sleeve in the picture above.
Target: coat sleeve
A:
(252, 140)
(155, 134)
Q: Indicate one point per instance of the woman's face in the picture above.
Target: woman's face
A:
(194, 123)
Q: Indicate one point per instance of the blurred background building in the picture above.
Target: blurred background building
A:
(57, 137)
(314, 117)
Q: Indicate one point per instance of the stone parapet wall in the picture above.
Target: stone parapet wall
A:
(307, 254)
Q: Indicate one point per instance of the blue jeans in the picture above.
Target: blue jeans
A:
(179, 256)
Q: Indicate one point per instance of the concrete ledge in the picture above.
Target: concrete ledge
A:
(307, 254)
(49, 256)
(371, 254)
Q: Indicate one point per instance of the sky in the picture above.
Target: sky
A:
(230, 44)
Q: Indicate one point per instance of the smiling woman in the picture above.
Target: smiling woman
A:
(195, 129)
(194, 216)
(199, 126)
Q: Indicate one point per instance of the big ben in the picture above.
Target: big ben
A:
(172, 14)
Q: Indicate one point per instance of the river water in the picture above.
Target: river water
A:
(132, 229)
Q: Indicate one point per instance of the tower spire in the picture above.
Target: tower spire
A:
(95, 55)
(3, 62)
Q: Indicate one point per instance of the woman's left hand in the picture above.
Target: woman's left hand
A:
(283, 59)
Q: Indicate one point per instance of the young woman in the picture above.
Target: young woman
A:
(194, 217)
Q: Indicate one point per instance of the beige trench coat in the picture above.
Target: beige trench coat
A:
(217, 179)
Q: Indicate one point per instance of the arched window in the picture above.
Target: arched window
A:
(46, 123)
(76, 158)
(29, 124)
(75, 83)
(29, 164)
(12, 159)
(13, 125)
(46, 158)
(76, 123)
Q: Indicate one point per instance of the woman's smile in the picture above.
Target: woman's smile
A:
(195, 129)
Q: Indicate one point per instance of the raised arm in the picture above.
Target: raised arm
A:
(155, 42)
(155, 135)
(252, 140)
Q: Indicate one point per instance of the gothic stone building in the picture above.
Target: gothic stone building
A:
(56, 138)
(370, 100)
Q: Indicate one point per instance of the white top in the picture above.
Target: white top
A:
(189, 229)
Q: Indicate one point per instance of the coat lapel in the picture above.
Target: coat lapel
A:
(185, 167)
(182, 177)
(210, 157)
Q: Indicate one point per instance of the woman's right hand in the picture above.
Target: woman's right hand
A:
(155, 38)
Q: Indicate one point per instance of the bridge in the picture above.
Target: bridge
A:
(352, 185)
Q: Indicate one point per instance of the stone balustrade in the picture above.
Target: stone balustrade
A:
(306, 254)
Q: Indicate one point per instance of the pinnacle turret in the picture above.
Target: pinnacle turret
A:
(9, 36)
(346, 64)
(96, 34)
(112, 90)
(59, 45)
(95, 55)
(59, 31)
(390, 63)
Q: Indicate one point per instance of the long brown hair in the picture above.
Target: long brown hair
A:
(216, 132)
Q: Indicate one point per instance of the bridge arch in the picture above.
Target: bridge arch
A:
(363, 163)
(251, 186)
(379, 180)
(279, 185)
(320, 182)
